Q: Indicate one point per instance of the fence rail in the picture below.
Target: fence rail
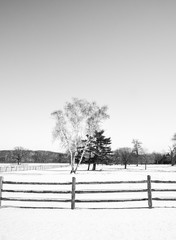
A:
(37, 183)
(74, 193)
(26, 167)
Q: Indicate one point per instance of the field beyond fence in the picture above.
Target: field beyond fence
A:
(73, 194)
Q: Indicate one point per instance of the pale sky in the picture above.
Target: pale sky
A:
(118, 53)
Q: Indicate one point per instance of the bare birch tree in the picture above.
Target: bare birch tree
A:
(77, 120)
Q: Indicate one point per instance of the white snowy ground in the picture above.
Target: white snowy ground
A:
(119, 222)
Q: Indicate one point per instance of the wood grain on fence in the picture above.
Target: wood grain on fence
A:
(35, 199)
(19, 199)
(149, 191)
(159, 181)
(109, 182)
(74, 192)
(37, 183)
(1, 179)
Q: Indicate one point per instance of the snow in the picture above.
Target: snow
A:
(121, 221)
(143, 224)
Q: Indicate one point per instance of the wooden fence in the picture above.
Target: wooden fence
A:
(26, 167)
(73, 192)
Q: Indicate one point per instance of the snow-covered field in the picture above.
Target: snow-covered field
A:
(124, 221)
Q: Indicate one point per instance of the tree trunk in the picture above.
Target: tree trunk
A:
(88, 167)
(79, 161)
(82, 155)
(145, 165)
(172, 159)
(94, 167)
(72, 160)
(18, 161)
(137, 161)
(89, 162)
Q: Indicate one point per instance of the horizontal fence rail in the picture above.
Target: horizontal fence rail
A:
(164, 190)
(73, 192)
(110, 182)
(19, 199)
(26, 167)
(37, 183)
(157, 181)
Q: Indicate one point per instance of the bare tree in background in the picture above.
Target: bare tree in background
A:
(145, 157)
(79, 119)
(172, 150)
(137, 149)
(125, 155)
(19, 154)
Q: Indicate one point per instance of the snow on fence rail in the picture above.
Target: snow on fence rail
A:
(73, 192)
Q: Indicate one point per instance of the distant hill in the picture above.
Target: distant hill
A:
(39, 156)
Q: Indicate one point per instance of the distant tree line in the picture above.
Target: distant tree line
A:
(20, 155)
(98, 152)
(122, 156)
(137, 155)
(125, 156)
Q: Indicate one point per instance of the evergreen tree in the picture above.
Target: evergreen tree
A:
(100, 149)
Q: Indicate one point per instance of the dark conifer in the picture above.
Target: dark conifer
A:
(100, 149)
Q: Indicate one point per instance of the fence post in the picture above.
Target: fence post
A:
(149, 190)
(1, 179)
(73, 193)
